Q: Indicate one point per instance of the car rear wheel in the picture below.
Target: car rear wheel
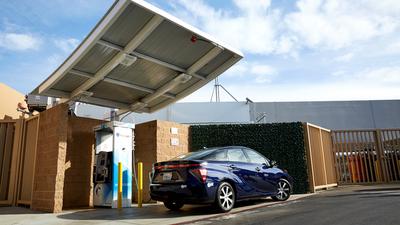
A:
(173, 205)
(283, 190)
(225, 198)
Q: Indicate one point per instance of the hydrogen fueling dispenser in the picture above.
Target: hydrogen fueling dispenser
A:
(114, 144)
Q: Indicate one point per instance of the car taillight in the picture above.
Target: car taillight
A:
(200, 174)
(175, 166)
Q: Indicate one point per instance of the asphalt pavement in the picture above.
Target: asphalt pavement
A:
(344, 205)
(374, 204)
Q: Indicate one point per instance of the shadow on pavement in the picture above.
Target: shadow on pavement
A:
(151, 211)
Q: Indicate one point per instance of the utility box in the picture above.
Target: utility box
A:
(36, 102)
(114, 143)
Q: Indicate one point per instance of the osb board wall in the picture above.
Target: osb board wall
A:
(78, 182)
(9, 99)
(51, 151)
(153, 144)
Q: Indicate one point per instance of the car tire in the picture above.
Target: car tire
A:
(174, 206)
(225, 198)
(283, 190)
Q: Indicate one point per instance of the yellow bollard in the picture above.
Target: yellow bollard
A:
(119, 201)
(140, 191)
(353, 172)
(377, 170)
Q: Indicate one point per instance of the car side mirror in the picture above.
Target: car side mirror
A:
(273, 163)
(267, 166)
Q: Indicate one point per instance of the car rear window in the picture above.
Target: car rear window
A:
(217, 156)
(193, 155)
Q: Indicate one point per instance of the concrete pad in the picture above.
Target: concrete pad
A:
(148, 214)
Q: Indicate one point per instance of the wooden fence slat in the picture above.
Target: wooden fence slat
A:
(357, 158)
(393, 154)
(396, 142)
(28, 159)
(349, 165)
(321, 147)
(369, 157)
(386, 161)
(4, 184)
(320, 157)
(344, 179)
(3, 133)
(309, 157)
(337, 158)
(16, 160)
(377, 145)
(364, 156)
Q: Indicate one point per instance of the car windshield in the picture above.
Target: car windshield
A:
(194, 155)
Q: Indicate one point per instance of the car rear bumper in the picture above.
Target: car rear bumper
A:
(180, 193)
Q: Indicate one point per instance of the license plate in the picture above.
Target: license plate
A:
(167, 176)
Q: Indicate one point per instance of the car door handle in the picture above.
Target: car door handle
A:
(232, 166)
(258, 169)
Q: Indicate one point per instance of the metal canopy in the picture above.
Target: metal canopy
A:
(139, 58)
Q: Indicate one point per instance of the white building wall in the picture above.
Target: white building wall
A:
(184, 113)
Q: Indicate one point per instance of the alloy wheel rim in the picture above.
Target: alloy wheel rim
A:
(283, 190)
(226, 197)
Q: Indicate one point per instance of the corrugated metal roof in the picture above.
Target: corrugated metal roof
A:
(168, 66)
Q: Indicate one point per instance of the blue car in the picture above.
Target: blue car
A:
(218, 176)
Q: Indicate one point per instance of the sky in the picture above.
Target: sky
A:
(305, 50)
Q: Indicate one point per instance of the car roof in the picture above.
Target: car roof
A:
(226, 147)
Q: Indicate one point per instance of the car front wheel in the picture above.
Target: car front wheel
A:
(173, 205)
(283, 190)
(225, 198)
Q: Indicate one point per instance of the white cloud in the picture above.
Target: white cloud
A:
(19, 42)
(393, 48)
(383, 6)
(338, 73)
(253, 6)
(252, 72)
(238, 70)
(287, 45)
(264, 73)
(334, 24)
(251, 28)
(55, 59)
(67, 45)
(344, 58)
(382, 75)
(256, 28)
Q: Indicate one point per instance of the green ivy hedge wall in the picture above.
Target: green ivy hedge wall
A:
(282, 142)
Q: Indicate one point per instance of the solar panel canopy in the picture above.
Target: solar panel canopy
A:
(139, 58)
